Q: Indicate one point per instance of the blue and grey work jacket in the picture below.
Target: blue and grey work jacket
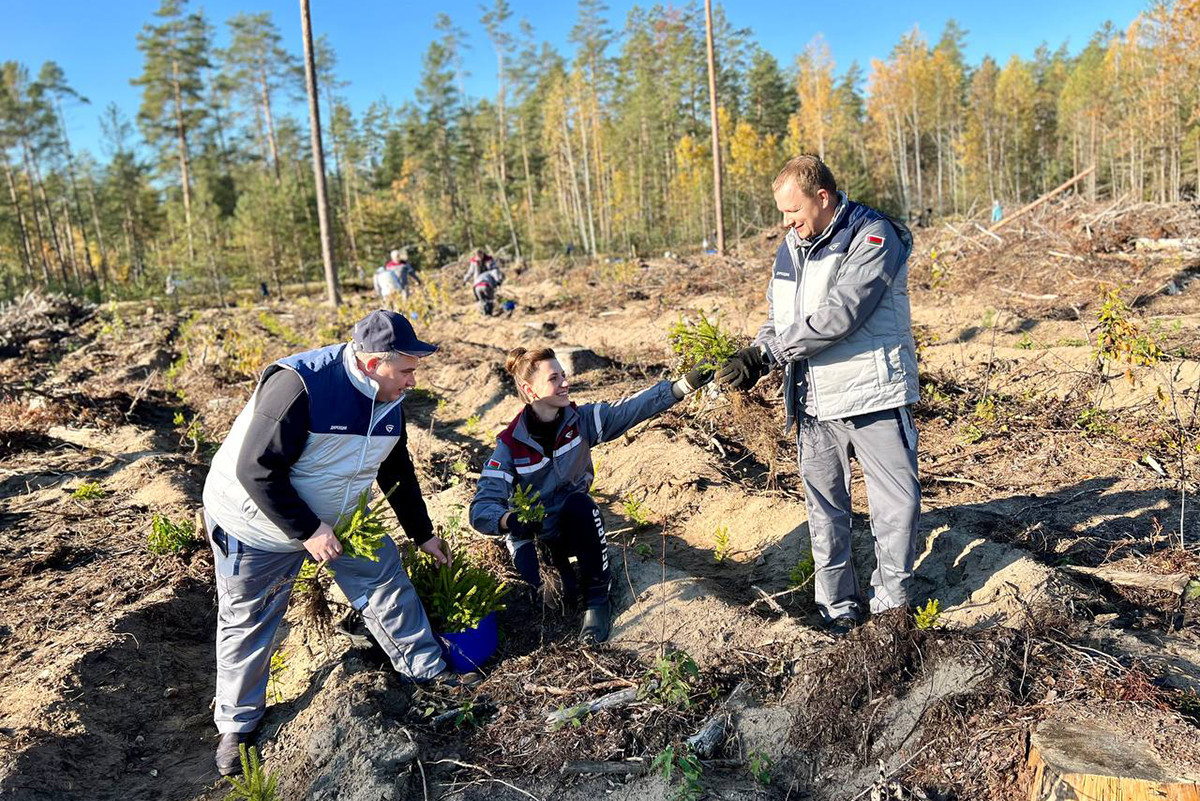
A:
(349, 437)
(838, 317)
(519, 460)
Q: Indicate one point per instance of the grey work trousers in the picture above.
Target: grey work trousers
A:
(253, 588)
(885, 445)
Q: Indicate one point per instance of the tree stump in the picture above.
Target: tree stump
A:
(1072, 760)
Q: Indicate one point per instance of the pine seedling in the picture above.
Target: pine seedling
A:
(637, 512)
(88, 491)
(723, 548)
(362, 532)
(458, 596)
(929, 615)
(701, 343)
(802, 572)
(254, 784)
(527, 505)
(167, 537)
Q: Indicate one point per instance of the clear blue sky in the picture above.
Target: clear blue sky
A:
(379, 43)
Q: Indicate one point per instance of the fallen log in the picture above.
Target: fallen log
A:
(611, 768)
(561, 717)
(1173, 583)
(1148, 244)
(1028, 207)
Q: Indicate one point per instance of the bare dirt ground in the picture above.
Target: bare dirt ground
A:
(1052, 489)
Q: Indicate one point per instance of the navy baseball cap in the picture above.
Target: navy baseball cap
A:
(384, 330)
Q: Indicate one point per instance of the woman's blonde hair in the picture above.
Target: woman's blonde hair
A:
(522, 363)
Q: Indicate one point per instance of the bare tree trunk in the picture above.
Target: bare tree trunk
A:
(87, 250)
(716, 134)
(265, 98)
(529, 235)
(26, 256)
(99, 233)
(587, 188)
(184, 165)
(314, 121)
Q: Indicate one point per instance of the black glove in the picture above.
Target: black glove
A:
(696, 378)
(744, 369)
(522, 531)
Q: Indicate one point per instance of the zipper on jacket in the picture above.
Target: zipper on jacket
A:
(804, 274)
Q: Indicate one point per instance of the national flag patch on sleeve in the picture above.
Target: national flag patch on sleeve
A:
(874, 240)
(493, 463)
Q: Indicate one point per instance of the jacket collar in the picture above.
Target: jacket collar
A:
(357, 377)
(519, 431)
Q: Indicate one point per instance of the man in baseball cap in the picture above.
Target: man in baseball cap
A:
(320, 429)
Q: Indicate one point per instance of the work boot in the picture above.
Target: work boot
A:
(449, 680)
(229, 754)
(597, 624)
(354, 629)
(842, 625)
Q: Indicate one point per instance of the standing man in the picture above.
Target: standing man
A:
(321, 427)
(839, 327)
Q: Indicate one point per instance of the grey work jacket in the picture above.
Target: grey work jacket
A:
(838, 308)
(518, 459)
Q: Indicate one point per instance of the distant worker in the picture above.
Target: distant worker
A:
(387, 285)
(404, 272)
(483, 274)
(839, 329)
(997, 211)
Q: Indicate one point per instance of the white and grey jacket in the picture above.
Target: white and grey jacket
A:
(838, 317)
(518, 459)
(308, 443)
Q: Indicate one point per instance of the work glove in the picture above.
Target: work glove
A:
(522, 531)
(694, 380)
(744, 369)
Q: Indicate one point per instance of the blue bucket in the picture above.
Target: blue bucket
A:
(465, 651)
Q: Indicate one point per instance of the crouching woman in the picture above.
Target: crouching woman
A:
(547, 448)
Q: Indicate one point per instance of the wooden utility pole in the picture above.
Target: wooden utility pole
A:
(716, 134)
(314, 123)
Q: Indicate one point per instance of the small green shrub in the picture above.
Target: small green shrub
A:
(278, 666)
(88, 491)
(669, 680)
(689, 767)
(1025, 342)
(1119, 339)
(1096, 422)
(474, 422)
(760, 767)
(168, 537)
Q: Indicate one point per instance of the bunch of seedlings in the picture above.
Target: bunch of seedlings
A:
(458, 595)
